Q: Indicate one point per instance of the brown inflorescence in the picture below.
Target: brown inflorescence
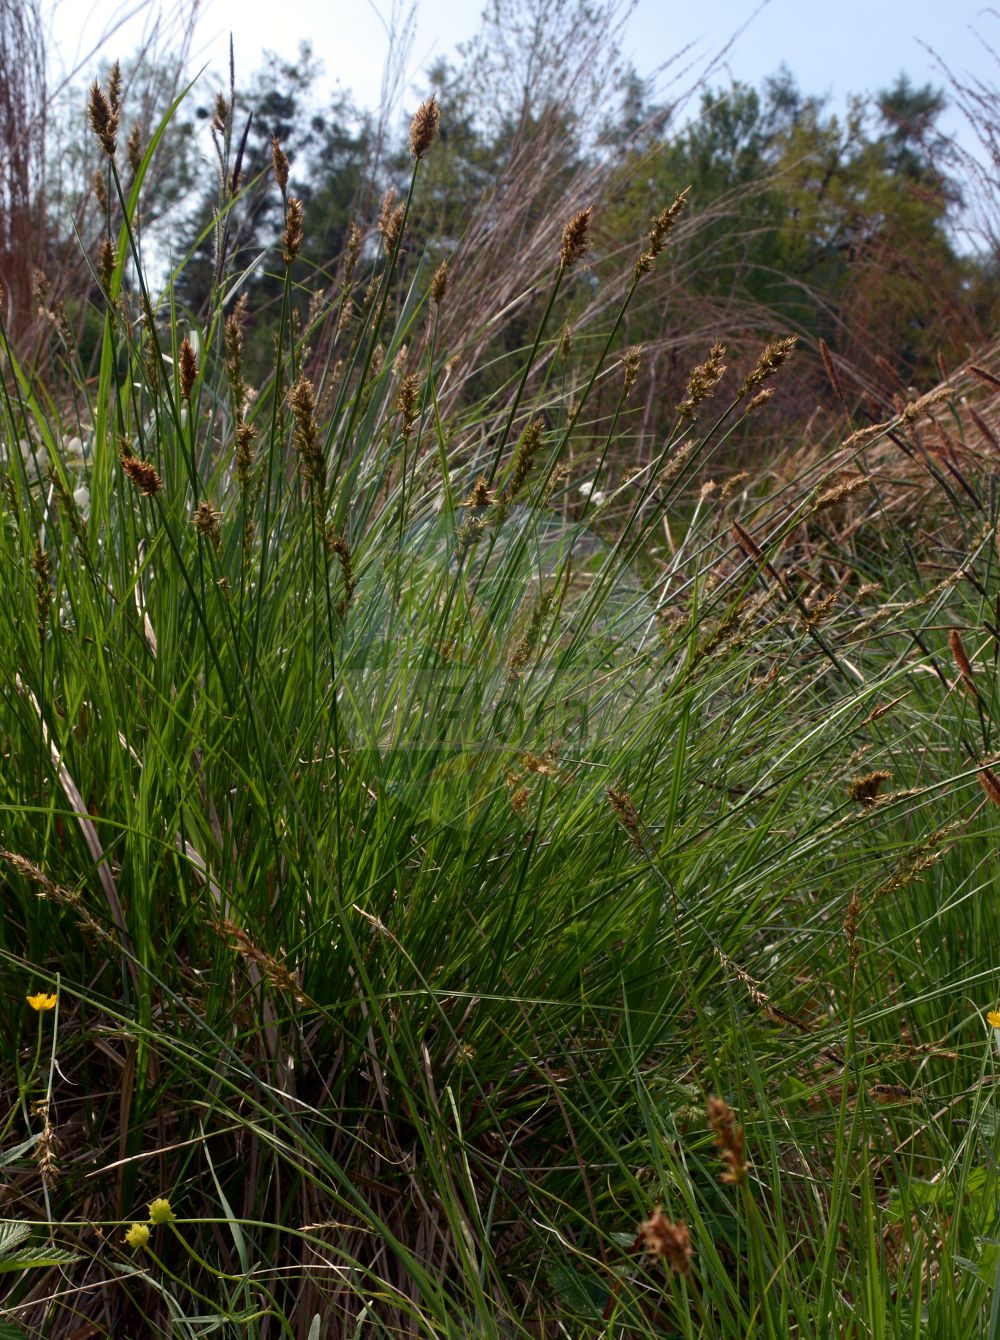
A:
(103, 117)
(141, 473)
(771, 359)
(730, 1140)
(424, 127)
(576, 238)
(702, 382)
(668, 1241)
(864, 791)
(279, 164)
(660, 228)
(292, 236)
(187, 367)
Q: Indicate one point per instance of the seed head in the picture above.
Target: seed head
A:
(115, 88)
(352, 250)
(137, 1237)
(524, 456)
(702, 382)
(633, 357)
(103, 119)
(760, 399)
(575, 238)
(771, 359)
(188, 368)
(961, 660)
(668, 1241)
(336, 545)
(424, 127)
(990, 783)
(279, 162)
(864, 791)
(407, 402)
(292, 236)
(100, 188)
(106, 265)
(390, 220)
(134, 148)
(660, 228)
(730, 1140)
(206, 521)
(626, 813)
(141, 473)
(220, 118)
(439, 284)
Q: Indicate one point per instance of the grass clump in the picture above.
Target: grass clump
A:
(456, 862)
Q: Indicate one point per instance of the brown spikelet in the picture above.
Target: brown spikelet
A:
(576, 238)
(759, 400)
(480, 494)
(891, 1093)
(626, 813)
(115, 88)
(99, 185)
(984, 376)
(669, 1242)
(390, 220)
(221, 114)
(187, 368)
(272, 969)
(141, 473)
(43, 587)
(524, 456)
(730, 1140)
(771, 359)
(990, 783)
(961, 660)
(747, 542)
(988, 435)
(103, 119)
(106, 264)
(336, 545)
(840, 491)
(408, 403)
(352, 250)
(660, 228)
(206, 522)
(134, 148)
(831, 371)
(864, 791)
(439, 284)
(279, 164)
(424, 127)
(630, 366)
(702, 382)
(292, 236)
(312, 463)
(47, 1147)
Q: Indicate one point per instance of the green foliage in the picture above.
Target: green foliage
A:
(418, 819)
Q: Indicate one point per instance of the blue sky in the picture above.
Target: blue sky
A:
(832, 46)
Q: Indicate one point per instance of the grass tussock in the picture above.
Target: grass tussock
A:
(417, 812)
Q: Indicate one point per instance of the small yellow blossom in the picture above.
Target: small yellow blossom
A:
(160, 1211)
(42, 1001)
(993, 1018)
(137, 1236)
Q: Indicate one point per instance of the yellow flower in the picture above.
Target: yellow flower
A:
(993, 1018)
(137, 1236)
(42, 1001)
(160, 1211)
